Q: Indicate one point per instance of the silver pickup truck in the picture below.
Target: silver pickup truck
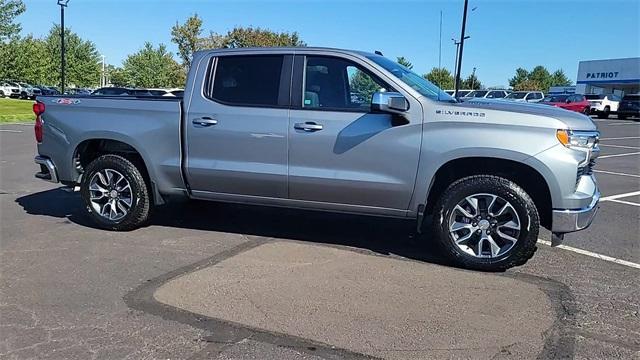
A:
(331, 130)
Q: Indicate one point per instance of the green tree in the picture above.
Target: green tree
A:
(558, 78)
(527, 84)
(258, 37)
(521, 75)
(82, 61)
(404, 62)
(153, 67)
(441, 77)
(363, 86)
(9, 10)
(187, 37)
(471, 82)
(540, 75)
(538, 78)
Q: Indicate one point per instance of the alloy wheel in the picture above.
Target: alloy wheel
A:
(110, 194)
(484, 225)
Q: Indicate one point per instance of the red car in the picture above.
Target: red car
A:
(573, 102)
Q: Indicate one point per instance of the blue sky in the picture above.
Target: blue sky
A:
(505, 34)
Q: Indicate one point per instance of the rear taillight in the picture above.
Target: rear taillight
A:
(38, 109)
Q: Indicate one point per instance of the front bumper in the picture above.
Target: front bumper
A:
(565, 221)
(47, 169)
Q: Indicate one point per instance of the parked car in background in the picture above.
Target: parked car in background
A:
(238, 136)
(574, 102)
(485, 94)
(78, 91)
(9, 89)
(603, 104)
(525, 96)
(629, 106)
(111, 91)
(48, 90)
(177, 92)
(461, 93)
(28, 91)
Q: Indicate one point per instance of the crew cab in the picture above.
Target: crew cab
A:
(603, 105)
(330, 130)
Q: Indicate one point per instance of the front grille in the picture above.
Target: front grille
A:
(585, 170)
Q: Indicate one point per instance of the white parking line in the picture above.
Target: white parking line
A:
(615, 173)
(11, 131)
(622, 138)
(618, 196)
(593, 255)
(625, 202)
(616, 155)
(621, 124)
(621, 146)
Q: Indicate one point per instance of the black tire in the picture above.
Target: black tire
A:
(604, 114)
(140, 210)
(586, 111)
(2, 94)
(524, 247)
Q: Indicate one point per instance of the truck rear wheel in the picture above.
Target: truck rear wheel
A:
(115, 193)
(487, 223)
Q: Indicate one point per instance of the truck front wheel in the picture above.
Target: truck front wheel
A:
(486, 222)
(115, 193)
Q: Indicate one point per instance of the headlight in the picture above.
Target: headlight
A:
(578, 139)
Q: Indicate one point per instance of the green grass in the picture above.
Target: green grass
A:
(14, 110)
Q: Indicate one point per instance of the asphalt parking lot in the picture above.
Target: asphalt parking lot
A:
(221, 281)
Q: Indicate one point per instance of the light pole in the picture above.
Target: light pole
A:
(63, 4)
(457, 44)
(462, 38)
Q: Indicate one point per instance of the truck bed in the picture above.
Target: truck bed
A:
(151, 125)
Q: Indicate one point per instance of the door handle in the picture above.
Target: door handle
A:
(205, 121)
(308, 126)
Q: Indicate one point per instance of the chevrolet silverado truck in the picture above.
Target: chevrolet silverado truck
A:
(332, 130)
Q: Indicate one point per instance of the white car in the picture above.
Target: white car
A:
(9, 89)
(525, 96)
(603, 104)
(486, 94)
(28, 91)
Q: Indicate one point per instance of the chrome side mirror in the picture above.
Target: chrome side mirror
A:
(389, 102)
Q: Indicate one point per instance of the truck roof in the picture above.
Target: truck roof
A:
(286, 49)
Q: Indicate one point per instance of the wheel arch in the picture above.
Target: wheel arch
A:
(91, 148)
(524, 175)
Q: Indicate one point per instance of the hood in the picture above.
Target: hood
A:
(573, 120)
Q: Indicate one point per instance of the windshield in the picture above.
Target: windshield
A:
(555, 98)
(516, 95)
(415, 81)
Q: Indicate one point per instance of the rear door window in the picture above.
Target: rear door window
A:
(247, 80)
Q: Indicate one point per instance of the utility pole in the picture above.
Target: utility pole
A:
(63, 4)
(462, 37)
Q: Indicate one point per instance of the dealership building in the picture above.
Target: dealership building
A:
(612, 76)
